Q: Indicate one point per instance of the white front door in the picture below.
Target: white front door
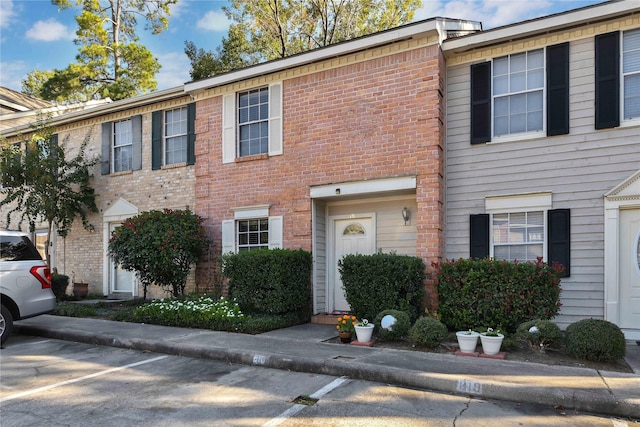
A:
(629, 273)
(351, 236)
(120, 281)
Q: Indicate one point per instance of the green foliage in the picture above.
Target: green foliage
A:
(204, 312)
(75, 310)
(595, 339)
(373, 283)
(539, 333)
(42, 182)
(269, 281)
(264, 30)
(400, 328)
(110, 60)
(59, 283)
(502, 294)
(160, 246)
(428, 332)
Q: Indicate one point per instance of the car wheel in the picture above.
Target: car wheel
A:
(6, 323)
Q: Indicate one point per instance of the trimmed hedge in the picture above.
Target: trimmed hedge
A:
(595, 339)
(269, 281)
(400, 328)
(428, 332)
(378, 282)
(503, 294)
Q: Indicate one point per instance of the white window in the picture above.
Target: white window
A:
(252, 228)
(122, 146)
(518, 235)
(252, 123)
(631, 74)
(175, 136)
(518, 93)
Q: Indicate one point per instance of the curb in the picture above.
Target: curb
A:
(447, 383)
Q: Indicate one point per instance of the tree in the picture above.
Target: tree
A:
(39, 183)
(160, 246)
(110, 61)
(274, 29)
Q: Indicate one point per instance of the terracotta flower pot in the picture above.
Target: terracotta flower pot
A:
(345, 337)
(80, 290)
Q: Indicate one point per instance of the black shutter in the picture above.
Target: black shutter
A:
(607, 80)
(558, 89)
(481, 103)
(136, 146)
(559, 239)
(479, 236)
(156, 140)
(54, 147)
(106, 148)
(191, 133)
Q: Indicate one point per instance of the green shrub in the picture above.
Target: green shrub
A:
(498, 293)
(539, 333)
(595, 339)
(373, 283)
(59, 283)
(400, 328)
(428, 332)
(75, 310)
(270, 281)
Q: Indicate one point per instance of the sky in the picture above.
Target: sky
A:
(35, 35)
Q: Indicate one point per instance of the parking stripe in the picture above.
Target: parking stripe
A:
(75, 380)
(298, 407)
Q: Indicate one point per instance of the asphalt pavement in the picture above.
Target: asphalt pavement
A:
(304, 349)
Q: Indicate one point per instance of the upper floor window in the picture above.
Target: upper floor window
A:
(617, 78)
(252, 123)
(521, 94)
(175, 136)
(122, 146)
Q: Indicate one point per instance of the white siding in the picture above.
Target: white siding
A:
(319, 257)
(578, 168)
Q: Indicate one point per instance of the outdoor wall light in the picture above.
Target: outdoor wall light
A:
(406, 215)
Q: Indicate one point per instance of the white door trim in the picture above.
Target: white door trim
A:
(624, 196)
(331, 253)
(120, 211)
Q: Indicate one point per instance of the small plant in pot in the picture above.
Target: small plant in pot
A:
(491, 341)
(467, 340)
(364, 330)
(345, 326)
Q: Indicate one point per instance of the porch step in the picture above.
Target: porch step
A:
(326, 318)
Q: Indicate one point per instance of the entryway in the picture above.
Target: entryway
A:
(116, 282)
(629, 274)
(121, 282)
(351, 235)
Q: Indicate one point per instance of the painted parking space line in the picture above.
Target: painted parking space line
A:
(298, 407)
(75, 380)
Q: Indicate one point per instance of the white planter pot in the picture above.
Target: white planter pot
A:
(364, 333)
(467, 341)
(491, 345)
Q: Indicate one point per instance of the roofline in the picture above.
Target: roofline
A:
(394, 35)
(101, 110)
(546, 24)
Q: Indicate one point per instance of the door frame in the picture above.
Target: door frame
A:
(332, 262)
(626, 195)
(117, 213)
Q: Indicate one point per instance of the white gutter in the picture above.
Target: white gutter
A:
(579, 17)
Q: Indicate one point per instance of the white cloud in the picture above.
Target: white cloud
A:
(12, 74)
(174, 71)
(7, 13)
(492, 13)
(49, 31)
(214, 21)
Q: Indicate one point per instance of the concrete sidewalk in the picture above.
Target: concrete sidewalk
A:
(301, 348)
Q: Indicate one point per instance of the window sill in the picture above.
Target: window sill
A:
(263, 156)
(517, 137)
(174, 165)
(129, 172)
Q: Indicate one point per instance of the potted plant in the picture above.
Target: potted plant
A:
(364, 330)
(345, 327)
(467, 341)
(491, 341)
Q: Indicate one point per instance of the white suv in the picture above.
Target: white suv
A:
(25, 281)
